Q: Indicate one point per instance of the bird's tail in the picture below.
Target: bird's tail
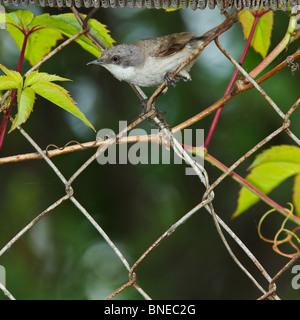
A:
(207, 34)
(211, 32)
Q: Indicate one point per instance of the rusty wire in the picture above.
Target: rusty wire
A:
(206, 202)
(158, 4)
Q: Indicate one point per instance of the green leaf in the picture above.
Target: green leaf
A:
(262, 35)
(20, 18)
(60, 97)
(12, 75)
(47, 30)
(6, 83)
(101, 33)
(12, 80)
(296, 194)
(25, 106)
(69, 26)
(36, 76)
(39, 42)
(268, 170)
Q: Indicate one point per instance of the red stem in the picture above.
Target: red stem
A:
(6, 117)
(14, 92)
(22, 54)
(256, 15)
(260, 194)
(244, 182)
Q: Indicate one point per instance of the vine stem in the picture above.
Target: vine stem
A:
(6, 117)
(256, 15)
(22, 54)
(288, 38)
(250, 187)
(14, 92)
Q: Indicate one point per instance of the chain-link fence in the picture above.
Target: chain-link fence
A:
(165, 138)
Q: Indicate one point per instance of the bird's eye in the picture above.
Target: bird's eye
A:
(115, 59)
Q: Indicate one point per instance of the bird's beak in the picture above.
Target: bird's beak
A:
(97, 62)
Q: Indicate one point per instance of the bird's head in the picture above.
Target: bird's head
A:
(123, 55)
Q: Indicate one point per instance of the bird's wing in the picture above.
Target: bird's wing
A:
(206, 35)
(171, 43)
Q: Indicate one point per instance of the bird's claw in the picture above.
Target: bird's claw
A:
(159, 114)
(170, 81)
(144, 106)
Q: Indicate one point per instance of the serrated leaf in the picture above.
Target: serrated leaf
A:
(296, 194)
(281, 153)
(100, 31)
(68, 25)
(20, 88)
(60, 97)
(36, 76)
(49, 29)
(39, 42)
(262, 36)
(25, 106)
(19, 18)
(6, 83)
(12, 75)
(269, 169)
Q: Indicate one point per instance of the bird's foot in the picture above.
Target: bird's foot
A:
(144, 106)
(170, 81)
(184, 75)
(157, 114)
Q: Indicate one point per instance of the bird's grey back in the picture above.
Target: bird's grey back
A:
(165, 45)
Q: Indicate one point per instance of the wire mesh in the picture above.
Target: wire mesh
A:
(206, 202)
(158, 4)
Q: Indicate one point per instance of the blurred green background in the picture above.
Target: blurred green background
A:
(63, 256)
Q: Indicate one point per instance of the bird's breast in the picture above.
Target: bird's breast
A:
(155, 68)
(121, 73)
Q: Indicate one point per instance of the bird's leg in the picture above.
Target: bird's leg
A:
(184, 75)
(144, 106)
(170, 81)
(162, 122)
(157, 113)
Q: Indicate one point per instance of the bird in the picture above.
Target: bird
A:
(149, 62)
